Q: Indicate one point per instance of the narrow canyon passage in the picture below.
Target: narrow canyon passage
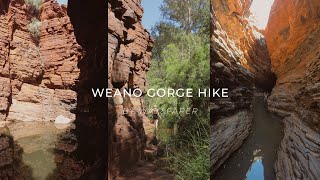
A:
(257, 155)
(288, 48)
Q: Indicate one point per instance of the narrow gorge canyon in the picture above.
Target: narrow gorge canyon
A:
(51, 55)
(283, 60)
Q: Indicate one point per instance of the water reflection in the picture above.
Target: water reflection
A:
(256, 170)
(37, 142)
(254, 160)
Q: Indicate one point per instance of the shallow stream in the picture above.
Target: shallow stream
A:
(255, 159)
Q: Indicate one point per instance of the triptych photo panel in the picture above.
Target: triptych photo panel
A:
(213, 89)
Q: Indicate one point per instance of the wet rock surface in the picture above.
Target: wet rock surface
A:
(227, 135)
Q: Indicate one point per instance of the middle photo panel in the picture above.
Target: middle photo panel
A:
(177, 91)
(158, 89)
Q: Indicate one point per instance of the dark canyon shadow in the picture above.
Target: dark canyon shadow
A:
(4, 5)
(81, 153)
(264, 78)
(256, 157)
(12, 165)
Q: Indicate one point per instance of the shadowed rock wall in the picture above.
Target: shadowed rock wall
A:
(81, 152)
(129, 53)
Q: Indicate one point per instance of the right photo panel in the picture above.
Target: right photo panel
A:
(265, 81)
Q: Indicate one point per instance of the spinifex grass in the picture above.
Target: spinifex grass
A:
(188, 152)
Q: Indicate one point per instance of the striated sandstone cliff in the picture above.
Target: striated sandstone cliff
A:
(293, 40)
(231, 118)
(129, 53)
(248, 43)
(37, 78)
(239, 61)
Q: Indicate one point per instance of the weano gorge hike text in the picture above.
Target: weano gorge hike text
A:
(162, 92)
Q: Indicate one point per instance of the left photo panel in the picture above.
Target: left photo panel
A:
(52, 52)
(158, 89)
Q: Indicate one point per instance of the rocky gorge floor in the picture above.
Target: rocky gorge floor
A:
(146, 170)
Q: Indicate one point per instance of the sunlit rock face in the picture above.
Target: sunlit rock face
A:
(293, 40)
(129, 54)
(37, 75)
(231, 118)
(248, 43)
(287, 20)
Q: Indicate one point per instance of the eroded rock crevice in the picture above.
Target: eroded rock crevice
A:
(30, 72)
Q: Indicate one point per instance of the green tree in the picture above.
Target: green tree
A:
(185, 64)
(164, 34)
(191, 15)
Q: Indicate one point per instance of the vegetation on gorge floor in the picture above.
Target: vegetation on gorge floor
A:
(181, 60)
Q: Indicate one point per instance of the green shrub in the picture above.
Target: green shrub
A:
(33, 28)
(189, 152)
(192, 160)
(183, 62)
(36, 4)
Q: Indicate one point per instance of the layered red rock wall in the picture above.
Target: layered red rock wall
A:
(231, 118)
(293, 40)
(248, 43)
(129, 53)
(5, 87)
(37, 77)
